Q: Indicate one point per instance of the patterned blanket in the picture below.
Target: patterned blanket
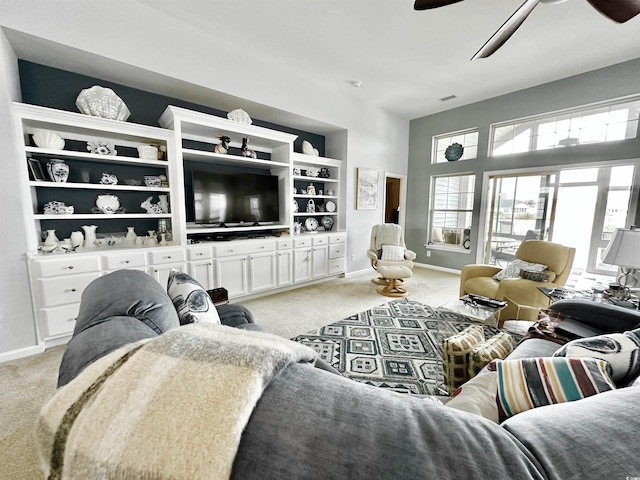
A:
(171, 407)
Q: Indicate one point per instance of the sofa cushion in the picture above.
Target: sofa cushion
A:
(596, 437)
(620, 350)
(528, 383)
(478, 396)
(498, 346)
(392, 253)
(190, 299)
(455, 355)
(513, 269)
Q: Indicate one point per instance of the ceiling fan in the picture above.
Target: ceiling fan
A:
(617, 10)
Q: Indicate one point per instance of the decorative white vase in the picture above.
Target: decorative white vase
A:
(163, 203)
(131, 236)
(89, 235)
(58, 171)
(51, 238)
(77, 239)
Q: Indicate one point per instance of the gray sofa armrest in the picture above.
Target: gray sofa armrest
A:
(234, 315)
(603, 316)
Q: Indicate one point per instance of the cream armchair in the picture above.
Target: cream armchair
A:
(520, 292)
(387, 248)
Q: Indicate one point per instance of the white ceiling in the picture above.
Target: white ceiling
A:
(406, 60)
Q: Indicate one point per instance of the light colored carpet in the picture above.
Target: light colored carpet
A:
(28, 382)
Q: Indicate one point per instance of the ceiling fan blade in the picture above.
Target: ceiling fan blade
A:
(617, 10)
(427, 4)
(507, 29)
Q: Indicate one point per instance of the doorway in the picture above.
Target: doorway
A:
(394, 198)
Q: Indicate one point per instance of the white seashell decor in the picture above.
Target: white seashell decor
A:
(308, 149)
(102, 102)
(240, 116)
(48, 139)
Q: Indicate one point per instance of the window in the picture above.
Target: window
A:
(603, 123)
(468, 139)
(451, 209)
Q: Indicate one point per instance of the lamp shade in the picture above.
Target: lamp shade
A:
(624, 249)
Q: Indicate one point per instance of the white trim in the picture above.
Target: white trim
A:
(21, 353)
(435, 267)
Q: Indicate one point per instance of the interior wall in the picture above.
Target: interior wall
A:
(599, 85)
(17, 328)
(181, 63)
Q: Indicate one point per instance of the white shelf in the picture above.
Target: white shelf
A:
(98, 186)
(95, 157)
(193, 228)
(223, 159)
(99, 216)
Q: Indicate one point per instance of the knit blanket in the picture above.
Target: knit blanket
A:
(171, 407)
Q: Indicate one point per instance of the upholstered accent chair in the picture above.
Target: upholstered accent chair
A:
(388, 249)
(517, 291)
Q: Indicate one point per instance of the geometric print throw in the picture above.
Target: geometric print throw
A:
(397, 346)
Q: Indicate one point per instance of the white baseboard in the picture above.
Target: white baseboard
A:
(435, 267)
(21, 353)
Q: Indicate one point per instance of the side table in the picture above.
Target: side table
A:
(479, 313)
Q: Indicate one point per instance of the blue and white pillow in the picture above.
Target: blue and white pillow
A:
(513, 269)
(190, 299)
(620, 350)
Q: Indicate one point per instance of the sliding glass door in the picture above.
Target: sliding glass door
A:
(578, 207)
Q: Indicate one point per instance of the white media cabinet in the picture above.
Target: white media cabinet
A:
(245, 266)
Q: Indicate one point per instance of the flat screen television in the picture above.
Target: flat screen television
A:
(232, 199)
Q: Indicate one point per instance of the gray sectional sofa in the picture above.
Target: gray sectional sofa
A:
(305, 422)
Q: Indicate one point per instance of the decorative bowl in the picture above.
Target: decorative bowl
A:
(240, 116)
(48, 139)
(313, 171)
(152, 181)
(100, 147)
(148, 151)
(108, 203)
(102, 102)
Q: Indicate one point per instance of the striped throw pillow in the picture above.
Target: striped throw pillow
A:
(528, 383)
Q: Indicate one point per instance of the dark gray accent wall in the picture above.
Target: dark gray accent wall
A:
(56, 88)
(599, 85)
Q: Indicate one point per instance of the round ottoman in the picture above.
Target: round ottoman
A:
(393, 274)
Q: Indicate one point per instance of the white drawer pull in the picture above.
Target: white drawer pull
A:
(200, 254)
(168, 257)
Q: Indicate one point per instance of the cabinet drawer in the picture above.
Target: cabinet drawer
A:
(339, 238)
(60, 320)
(245, 248)
(125, 260)
(68, 265)
(285, 244)
(199, 253)
(336, 266)
(167, 255)
(63, 290)
(301, 242)
(337, 251)
(323, 240)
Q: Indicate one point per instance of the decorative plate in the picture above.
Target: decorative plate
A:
(311, 224)
(327, 222)
(454, 152)
(330, 206)
(100, 147)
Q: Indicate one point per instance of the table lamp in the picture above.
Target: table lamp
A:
(624, 251)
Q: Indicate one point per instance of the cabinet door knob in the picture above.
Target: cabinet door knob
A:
(126, 261)
(73, 289)
(168, 257)
(70, 267)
